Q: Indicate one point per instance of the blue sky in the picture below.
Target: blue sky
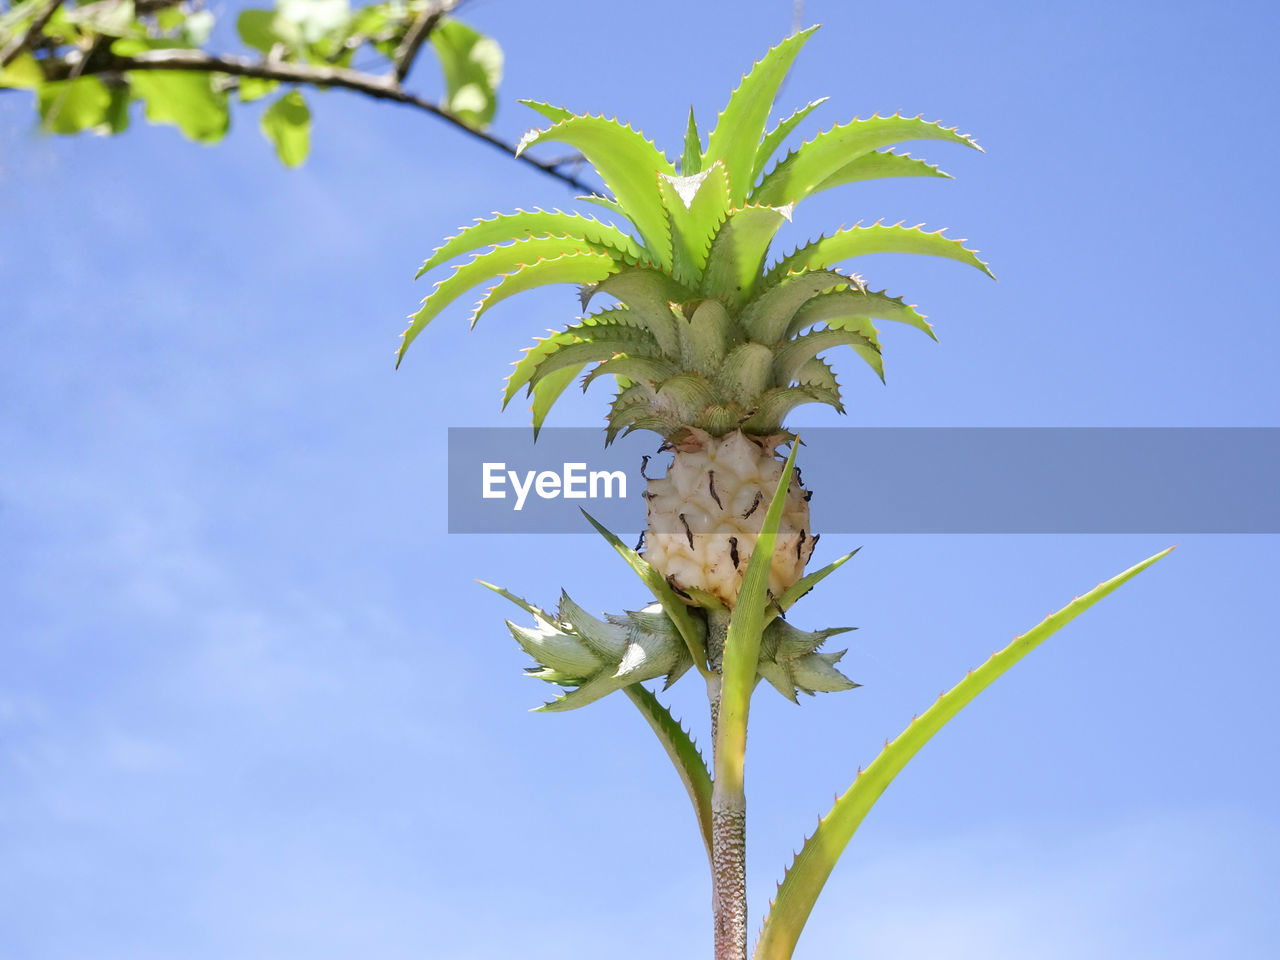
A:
(252, 704)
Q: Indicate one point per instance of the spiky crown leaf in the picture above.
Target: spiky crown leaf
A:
(703, 333)
(591, 658)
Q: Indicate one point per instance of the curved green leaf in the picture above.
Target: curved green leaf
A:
(648, 369)
(802, 586)
(611, 326)
(774, 138)
(788, 360)
(257, 28)
(809, 165)
(766, 318)
(578, 355)
(505, 227)
(608, 203)
(550, 111)
(472, 66)
(649, 293)
(287, 124)
(776, 403)
(547, 392)
(696, 205)
(188, 101)
(808, 873)
(878, 165)
(492, 263)
(629, 165)
(584, 267)
(684, 754)
(738, 252)
(742, 643)
(857, 241)
(736, 138)
(70, 106)
(22, 73)
(851, 309)
(662, 591)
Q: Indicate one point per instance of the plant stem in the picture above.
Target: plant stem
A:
(728, 822)
(378, 87)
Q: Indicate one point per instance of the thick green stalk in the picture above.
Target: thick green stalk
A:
(736, 640)
(728, 819)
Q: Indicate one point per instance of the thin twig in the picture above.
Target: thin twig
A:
(378, 87)
(417, 34)
(20, 43)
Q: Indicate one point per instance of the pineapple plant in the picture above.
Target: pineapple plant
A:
(711, 346)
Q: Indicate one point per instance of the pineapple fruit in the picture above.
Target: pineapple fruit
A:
(708, 344)
(705, 514)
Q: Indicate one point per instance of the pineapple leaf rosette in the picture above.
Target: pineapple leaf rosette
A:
(705, 341)
(710, 339)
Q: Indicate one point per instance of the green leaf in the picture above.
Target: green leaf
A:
(255, 88)
(696, 205)
(802, 586)
(791, 358)
(776, 404)
(186, 100)
(492, 263)
(170, 18)
(610, 204)
(287, 124)
(662, 591)
(649, 293)
(736, 138)
(742, 644)
(575, 355)
(800, 174)
(647, 369)
(804, 881)
(535, 223)
(738, 252)
(533, 610)
(858, 241)
(546, 393)
(580, 267)
(684, 755)
(766, 318)
(878, 165)
(774, 138)
(691, 159)
(472, 66)
(609, 325)
(257, 28)
(70, 106)
(550, 111)
(23, 73)
(850, 309)
(629, 165)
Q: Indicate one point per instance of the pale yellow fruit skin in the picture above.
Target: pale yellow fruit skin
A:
(743, 472)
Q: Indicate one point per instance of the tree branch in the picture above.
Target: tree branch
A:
(20, 43)
(378, 87)
(421, 29)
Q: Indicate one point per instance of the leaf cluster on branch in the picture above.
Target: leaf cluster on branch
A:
(87, 62)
